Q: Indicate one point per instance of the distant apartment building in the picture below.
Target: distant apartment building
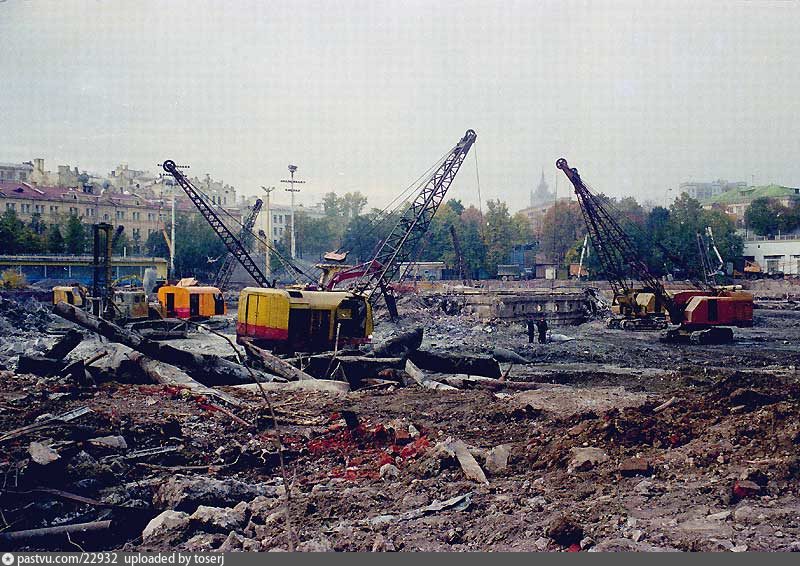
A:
(136, 199)
(705, 191)
(15, 171)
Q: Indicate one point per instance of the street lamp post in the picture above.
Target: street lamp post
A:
(292, 190)
(267, 268)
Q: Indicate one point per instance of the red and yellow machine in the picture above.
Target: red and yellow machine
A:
(299, 320)
(194, 302)
(704, 315)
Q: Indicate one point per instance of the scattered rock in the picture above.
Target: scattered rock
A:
(745, 488)
(585, 459)
(745, 514)
(565, 531)
(167, 527)
(320, 544)
(636, 535)
(111, 442)
(468, 463)
(497, 458)
(635, 467)
(382, 544)
(184, 493)
(42, 454)
(203, 542)
(220, 519)
(627, 545)
(537, 503)
(389, 472)
(721, 516)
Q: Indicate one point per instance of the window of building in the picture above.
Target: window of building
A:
(53, 209)
(151, 216)
(73, 210)
(105, 217)
(120, 215)
(274, 231)
(89, 212)
(25, 207)
(136, 215)
(11, 206)
(38, 208)
(773, 263)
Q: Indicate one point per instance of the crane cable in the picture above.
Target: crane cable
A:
(385, 214)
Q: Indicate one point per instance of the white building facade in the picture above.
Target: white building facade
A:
(781, 255)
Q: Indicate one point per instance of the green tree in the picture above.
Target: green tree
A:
(156, 246)
(75, 237)
(562, 227)
(352, 204)
(456, 206)
(472, 240)
(763, 216)
(10, 226)
(55, 241)
(499, 234)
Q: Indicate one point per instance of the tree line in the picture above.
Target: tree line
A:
(665, 237)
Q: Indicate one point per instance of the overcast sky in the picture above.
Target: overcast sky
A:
(640, 96)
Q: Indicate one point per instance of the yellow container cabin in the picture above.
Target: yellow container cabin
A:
(194, 302)
(291, 320)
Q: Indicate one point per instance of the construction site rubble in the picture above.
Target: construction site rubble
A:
(433, 438)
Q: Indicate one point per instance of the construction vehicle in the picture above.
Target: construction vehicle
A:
(71, 294)
(193, 302)
(509, 272)
(400, 246)
(702, 315)
(288, 320)
(307, 319)
(107, 298)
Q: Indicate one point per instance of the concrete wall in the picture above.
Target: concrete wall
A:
(775, 255)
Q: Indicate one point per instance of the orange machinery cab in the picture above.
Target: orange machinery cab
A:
(297, 320)
(726, 308)
(191, 302)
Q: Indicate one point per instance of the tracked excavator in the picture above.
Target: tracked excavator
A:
(706, 315)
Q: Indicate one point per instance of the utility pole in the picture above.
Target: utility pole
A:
(292, 181)
(267, 269)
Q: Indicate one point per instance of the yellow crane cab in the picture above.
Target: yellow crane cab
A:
(295, 320)
(195, 302)
(72, 295)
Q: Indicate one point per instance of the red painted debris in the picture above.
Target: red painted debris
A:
(745, 488)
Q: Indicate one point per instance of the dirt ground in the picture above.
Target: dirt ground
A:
(624, 444)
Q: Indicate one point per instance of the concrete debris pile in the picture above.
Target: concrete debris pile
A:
(445, 434)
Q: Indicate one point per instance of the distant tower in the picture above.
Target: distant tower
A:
(542, 196)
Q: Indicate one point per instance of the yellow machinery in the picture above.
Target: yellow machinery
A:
(130, 304)
(193, 302)
(73, 295)
(297, 320)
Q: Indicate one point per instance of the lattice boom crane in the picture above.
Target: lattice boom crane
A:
(404, 239)
(234, 244)
(245, 236)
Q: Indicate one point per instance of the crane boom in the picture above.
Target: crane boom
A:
(405, 237)
(245, 236)
(234, 245)
(615, 249)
